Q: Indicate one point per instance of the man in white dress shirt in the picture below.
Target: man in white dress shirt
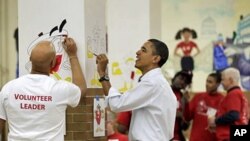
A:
(152, 102)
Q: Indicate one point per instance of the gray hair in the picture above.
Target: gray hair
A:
(232, 73)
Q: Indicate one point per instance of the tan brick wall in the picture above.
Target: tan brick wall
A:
(79, 122)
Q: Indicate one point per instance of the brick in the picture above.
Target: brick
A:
(83, 117)
(79, 118)
(90, 126)
(78, 109)
(79, 136)
(89, 100)
(88, 109)
(78, 126)
(68, 136)
(94, 92)
(69, 118)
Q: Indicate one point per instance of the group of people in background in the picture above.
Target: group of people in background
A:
(152, 111)
(211, 112)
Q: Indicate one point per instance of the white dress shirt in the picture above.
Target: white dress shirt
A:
(153, 106)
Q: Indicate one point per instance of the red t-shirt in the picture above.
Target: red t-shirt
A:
(117, 136)
(186, 47)
(234, 100)
(124, 118)
(199, 108)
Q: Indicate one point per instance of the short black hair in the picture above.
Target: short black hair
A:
(216, 76)
(161, 49)
(187, 74)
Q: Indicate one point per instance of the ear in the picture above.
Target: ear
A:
(231, 80)
(156, 59)
(53, 63)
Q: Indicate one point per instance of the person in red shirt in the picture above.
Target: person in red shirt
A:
(203, 105)
(186, 46)
(181, 81)
(113, 135)
(233, 109)
(123, 121)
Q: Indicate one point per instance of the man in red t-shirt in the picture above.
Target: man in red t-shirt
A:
(203, 105)
(123, 121)
(234, 107)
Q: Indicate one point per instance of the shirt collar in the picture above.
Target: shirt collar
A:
(235, 87)
(150, 74)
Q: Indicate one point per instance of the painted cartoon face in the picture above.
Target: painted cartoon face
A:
(186, 35)
(56, 36)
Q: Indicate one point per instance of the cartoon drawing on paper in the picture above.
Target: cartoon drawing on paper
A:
(99, 115)
(96, 44)
(56, 36)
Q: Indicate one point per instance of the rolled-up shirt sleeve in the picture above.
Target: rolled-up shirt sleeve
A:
(137, 98)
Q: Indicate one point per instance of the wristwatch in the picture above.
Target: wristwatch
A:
(104, 78)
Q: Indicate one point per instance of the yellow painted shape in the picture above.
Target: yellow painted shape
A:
(124, 88)
(69, 79)
(138, 72)
(94, 81)
(58, 77)
(115, 69)
(90, 54)
(130, 60)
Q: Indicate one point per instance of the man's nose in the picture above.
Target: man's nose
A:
(138, 52)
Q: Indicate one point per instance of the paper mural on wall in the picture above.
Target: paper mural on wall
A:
(210, 21)
(237, 49)
(99, 117)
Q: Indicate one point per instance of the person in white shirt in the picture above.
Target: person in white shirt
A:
(34, 105)
(152, 102)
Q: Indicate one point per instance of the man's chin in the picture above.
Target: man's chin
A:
(138, 67)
